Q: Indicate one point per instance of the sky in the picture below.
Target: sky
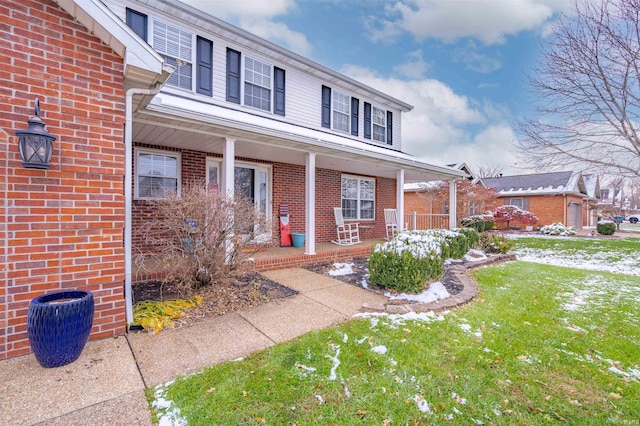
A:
(462, 64)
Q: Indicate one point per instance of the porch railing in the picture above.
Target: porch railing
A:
(420, 221)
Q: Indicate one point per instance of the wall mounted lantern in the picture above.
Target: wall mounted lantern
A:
(36, 144)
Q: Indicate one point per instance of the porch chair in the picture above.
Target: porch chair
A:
(391, 222)
(348, 233)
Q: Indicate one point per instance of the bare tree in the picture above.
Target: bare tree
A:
(487, 171)
(587, 87)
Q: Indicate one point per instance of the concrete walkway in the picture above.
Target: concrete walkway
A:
(106, 384)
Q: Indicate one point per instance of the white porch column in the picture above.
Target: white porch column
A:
(228, 160)
(453, 215)
(400, 199)
(310, 201)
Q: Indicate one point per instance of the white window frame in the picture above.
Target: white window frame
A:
(359, 199)
(334, 96)
(192, 61)
(374, 124)
(176, 155)
(244, 81)
(214, 162)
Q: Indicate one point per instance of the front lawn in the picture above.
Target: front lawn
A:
(541, 344)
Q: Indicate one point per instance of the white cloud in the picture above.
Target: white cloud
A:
(225, 9)
(257, 17)
(445, 127)
(490, 21)
(414, 68)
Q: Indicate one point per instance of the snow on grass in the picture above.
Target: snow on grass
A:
(436, 291)
(422, 404)
(380, 349)
(340, 269)
(582, 259)
(167, 413)
(335, 360)
(475, 256)
(395, 320)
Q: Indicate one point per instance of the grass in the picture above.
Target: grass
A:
(541, 344)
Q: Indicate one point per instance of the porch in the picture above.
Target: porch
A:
(276, 257)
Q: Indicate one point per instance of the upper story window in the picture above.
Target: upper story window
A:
(257, 84)
(379, 119)
(191, 55)
(157, 173)
(176, 46)
(341, 111)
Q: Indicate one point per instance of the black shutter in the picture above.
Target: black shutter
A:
(326, 106)
(137, 22)
(367, 120)
(233, 76)
(389, 127)
(278, 77)
(355, 106)
(204, 70)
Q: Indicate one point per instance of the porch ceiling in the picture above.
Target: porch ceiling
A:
(178, 128)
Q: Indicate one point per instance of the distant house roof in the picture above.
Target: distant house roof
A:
(423, 186)
(538, 184)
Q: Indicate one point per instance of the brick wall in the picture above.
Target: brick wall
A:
(61, 228)
(551, 208)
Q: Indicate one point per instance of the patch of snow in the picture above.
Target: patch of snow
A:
(361, 341)
(455, 410)
(340, 269)
(167, 413)
(308, 370)
(335, 360)
(458, 398)
(380, 349)
(476, 421)
(465, 327)
(475, 255)
(422, 404)
(618, 263)
(401, 319)
(345, 338)
(347, 393)
(320, 400)
(436, 291)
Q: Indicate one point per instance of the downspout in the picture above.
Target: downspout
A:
(128, 196)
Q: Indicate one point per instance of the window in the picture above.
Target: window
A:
(175, 46)
(358, 198)
(341, 111)
(157, 173)
(257, 84)
(379, 124)
(518, 202)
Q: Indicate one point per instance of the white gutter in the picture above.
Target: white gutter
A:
(128, 196)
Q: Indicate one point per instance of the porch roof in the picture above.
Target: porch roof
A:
(175, 121)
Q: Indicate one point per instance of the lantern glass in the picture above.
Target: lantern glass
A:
(36, 150)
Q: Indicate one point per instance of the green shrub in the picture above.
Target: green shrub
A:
(606, 227)
(410, 259)
(480, 223)
(473, 237)
(495, 243)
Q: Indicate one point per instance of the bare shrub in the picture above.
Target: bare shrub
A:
(201, 235)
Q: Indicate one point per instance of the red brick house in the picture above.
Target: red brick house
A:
(565, 197)
(141, 96)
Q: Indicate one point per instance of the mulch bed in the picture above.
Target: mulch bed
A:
(233, 293)
(361, 271)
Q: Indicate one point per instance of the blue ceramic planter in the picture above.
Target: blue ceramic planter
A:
(58, 326)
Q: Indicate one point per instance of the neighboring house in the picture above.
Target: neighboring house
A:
(427, 203)
(565, 197)
(144, 96)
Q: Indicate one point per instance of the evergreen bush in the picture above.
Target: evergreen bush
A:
(606, 227)
(495, 243)
(412, 258)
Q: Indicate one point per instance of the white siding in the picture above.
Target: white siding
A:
(303, 90)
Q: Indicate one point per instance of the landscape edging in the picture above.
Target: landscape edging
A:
(456, 273)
